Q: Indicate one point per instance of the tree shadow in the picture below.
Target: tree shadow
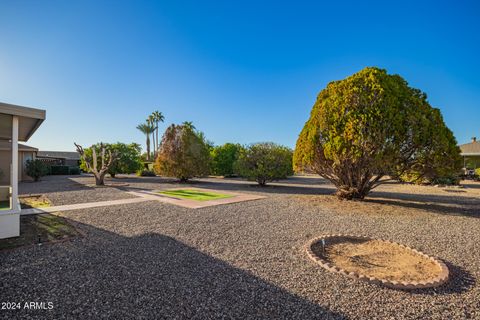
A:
(460, 281)
(144, 276)
(445, 205)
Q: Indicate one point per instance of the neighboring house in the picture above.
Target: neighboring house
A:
(64, 158)
(16, 124)
(25, 153)
(471, 154)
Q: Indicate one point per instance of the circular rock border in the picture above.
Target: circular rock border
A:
(430, 283)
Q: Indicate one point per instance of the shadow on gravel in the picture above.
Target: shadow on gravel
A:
(468, 206)
(460, 281)
(105, 275)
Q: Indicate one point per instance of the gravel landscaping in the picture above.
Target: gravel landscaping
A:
(62, 190)
(243, 260)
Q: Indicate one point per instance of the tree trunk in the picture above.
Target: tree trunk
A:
(148, 147)
(351, 193)
(262, 182)
(99, 179)
(156, 132)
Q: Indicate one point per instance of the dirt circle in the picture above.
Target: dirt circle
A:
(378, 261)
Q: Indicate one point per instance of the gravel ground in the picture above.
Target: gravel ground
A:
(62, 190)
(246, 260)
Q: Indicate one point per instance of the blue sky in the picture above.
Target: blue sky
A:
(242, 71)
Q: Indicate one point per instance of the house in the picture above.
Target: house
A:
(471, 154)
(16, 124)
(25, 153)
(63, 158)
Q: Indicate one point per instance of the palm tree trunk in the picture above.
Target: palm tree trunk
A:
(148, 147)
(158, 144)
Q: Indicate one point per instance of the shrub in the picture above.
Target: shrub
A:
(146, 173)
(59, 170)
(183, 153)
(223, 158)
(74, 170)
(369, 125)
(36, 169)
(264, 162)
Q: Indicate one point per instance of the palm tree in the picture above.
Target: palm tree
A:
(158, 117)
(189, 124)
(147, 129)
(151, 121)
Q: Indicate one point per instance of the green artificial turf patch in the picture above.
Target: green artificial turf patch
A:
(197, 195)
(39, 228)
(4, 205)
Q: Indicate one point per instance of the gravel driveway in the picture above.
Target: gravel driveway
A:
(246, 260)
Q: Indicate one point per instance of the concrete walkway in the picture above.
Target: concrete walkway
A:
(142, 196)
(85, 205)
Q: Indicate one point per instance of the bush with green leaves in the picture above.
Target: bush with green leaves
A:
(183, 153)
(56, 170)
(128, 157)
(223, 158)
(264, 162)
(36, 169)
(371, 125)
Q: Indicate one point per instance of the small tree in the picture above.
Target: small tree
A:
(183, 153)
(36, 169)
(365, 127)
(91, 161)
(223, 158)
(264, 162)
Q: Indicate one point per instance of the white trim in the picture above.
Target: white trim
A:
(14, 169)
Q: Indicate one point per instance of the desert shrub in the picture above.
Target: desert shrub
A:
(369, 125)
(74, 170)
(223, 157)
(183, 153)
(36, 169)
(128, 157)
(264, 162)
(59, 170)
(145, 173)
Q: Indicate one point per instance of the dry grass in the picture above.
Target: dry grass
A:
(382, 260)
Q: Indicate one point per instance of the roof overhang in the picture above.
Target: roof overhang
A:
(29, 121)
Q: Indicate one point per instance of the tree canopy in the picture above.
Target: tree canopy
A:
(183, 153)
(223, 158)
(369, 125)
(128, 157)
(264, 162)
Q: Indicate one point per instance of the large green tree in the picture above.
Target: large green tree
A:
(264, 162)
(365, 127)
(183, 153)
(223, 158)
(127, 160)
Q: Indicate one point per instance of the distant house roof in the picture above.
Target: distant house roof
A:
(72, 155)
(471, 149)
(6, 145)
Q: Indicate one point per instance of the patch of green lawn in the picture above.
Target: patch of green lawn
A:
(39, 228)
(197, 195)
(4, 205)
